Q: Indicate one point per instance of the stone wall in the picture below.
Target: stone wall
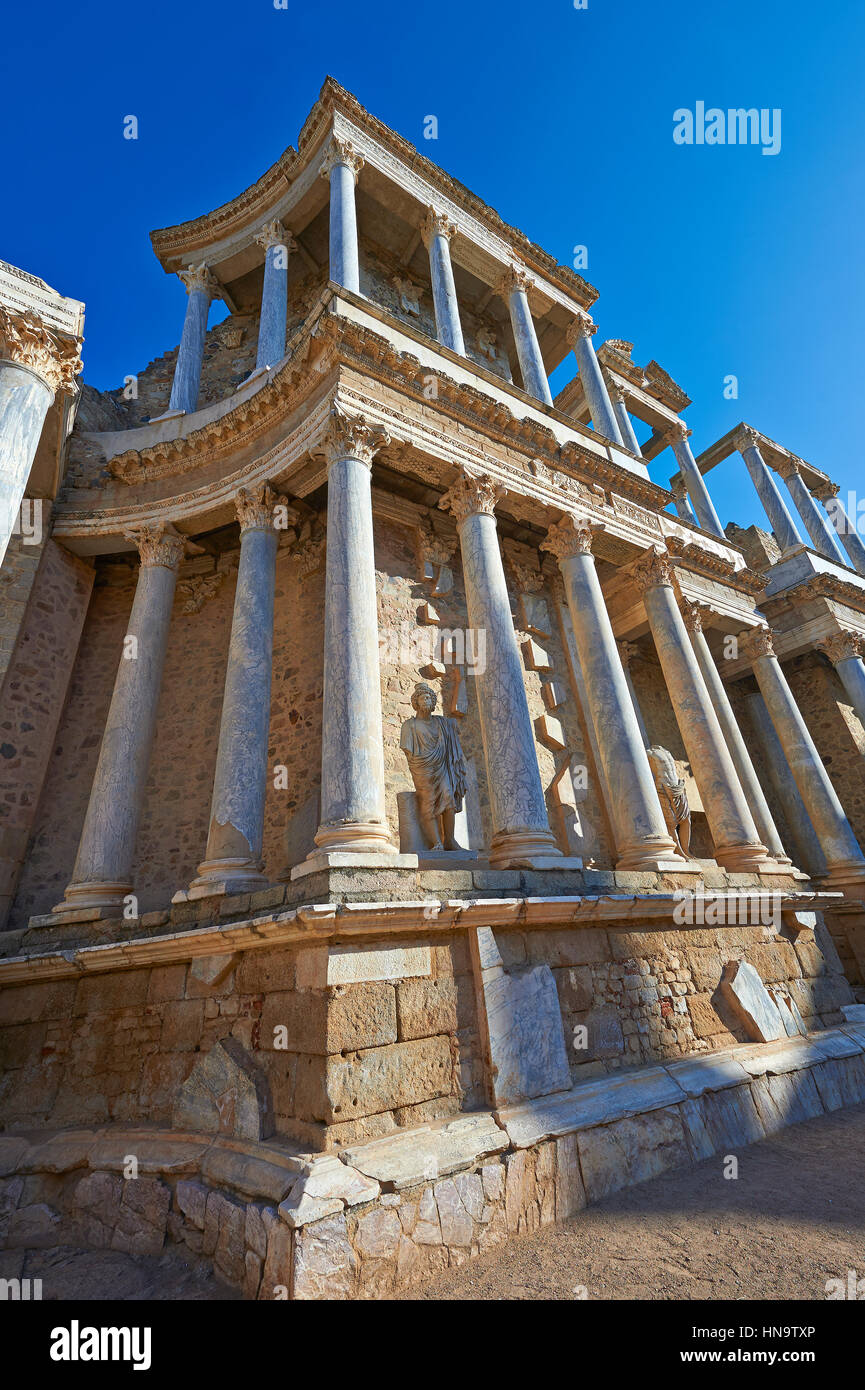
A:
(835, 729)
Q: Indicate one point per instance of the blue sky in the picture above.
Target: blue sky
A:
(713, 260)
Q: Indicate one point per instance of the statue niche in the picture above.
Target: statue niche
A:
(431, 744)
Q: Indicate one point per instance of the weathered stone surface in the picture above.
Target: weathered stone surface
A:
(380, 1078)
(591, 1103)
(378, 1233)
(251, 1175)
(408, 1159)
(853, 1013)
(325, 1263)
(353, 964)
(34, 1227)
(192, 1199)
(225, 1093)
(526, 1038)
(426, 1007)
(731, 1118)
(570, 1192)
(455, 1221)
(630, 1151)
(699, 1074)
(324, 1190)
(746, 994)
(786, 1100)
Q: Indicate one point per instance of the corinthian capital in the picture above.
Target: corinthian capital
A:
(473, 494)
(824, 492)
(340, 152)
(570, 536)
(351, 436)
(437, 224)
(199, 277)
(692, 615)
(679, 430)
(653, 568)
(255, 507)
(583, 326)
(755, 642)
(790, 467)
(746, 438)
(514, 277)
(274, 234)
(25, 340)
(841, 646)
(159, 545)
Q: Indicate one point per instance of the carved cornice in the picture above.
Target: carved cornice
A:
(25, 340)
(435, 224)
(583, 326)
(274, 234)
(255, 507)
(472, 495)
(340, 152)
(841, 646)
(351, 436)
(695, 557)
(200, 278)
(654, 568)
(159, 546)
(830, 586)
(756, 642)
(571, 536)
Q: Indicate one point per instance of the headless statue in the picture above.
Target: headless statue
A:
(432, 747)
(674, 797)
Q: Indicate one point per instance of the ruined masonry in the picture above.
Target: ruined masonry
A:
(342, 1055)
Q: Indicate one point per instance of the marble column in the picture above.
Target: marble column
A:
(809, 855)
(353, 819)
(102, 876)
(232, 860)
(641, 834)
(201, 288)
(845, 650)
(34, 365)
(775, 507)
(845, 527)
(514, 287)
(844, 859)
(521, 832)
(695, 482)
(628, 651)
(579, 337)
(622, 414)
(737, 843)
(341, 166)
(437, 231)
(692, 616)
(816, 525)
(680, 500)
(277, 243)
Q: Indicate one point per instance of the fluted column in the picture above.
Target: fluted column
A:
(514, 287)
(352, 756)
(623, 416)
(232, 860)
(201, 288)
(775, 507)
(521, 831)
(34, 365)
(845, 650)
(640, 830)
(437, 231)
(680, 499)
(737, 843)
(341, 166)
(809, 855)
(102, 876)
(695, 482)
(579, 338)
(845, 527)
(693, 619)
(277, 243)
(844, 858)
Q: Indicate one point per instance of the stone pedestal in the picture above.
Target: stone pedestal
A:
(201, 288)
(695, 483)
(521, 831)
(514, 287)
(232, 861)
(737, 843)
(341, 166)
(844, 859)
(277, 243)
(437, 232)
(641, 834)
(102, 877)
(595, 388)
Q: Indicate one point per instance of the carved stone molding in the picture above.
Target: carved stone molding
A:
(409, 294)
(25, 340)
(824, 492)
(255, 507)
(435, 224)
(158, 546)
(340, 152)
(309, 555)
(351, 436)
(841, 646)
(274, 234)
(692, 615)
(756, 642)
(583, 326)
(527, 576)
(653, 568)
(789, 467)
(472, 495)
(679, 430)
(196, 591)
(572, 535)
(200, 277)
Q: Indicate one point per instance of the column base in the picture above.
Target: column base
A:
(222, 878)
(80, 897)
(322, 860)
(745, 859)
(652, 855)
(524, 849)
(847, 878)
(353, 837)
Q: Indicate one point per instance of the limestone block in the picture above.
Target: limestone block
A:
(225, 1093)
(276, 1275)
(208, 973)
(300, 831)
(192, 1199)
(266, 972)
(380, 1078)
(631, 1151)
(700, 1141)
(378, 1234)
(327, 1187)
(182, 1024)
(853, 1013)
(841, 1082)
(455, 1222)
(353, 964)
(428, 614)
(526, 1038)
(359, 1016)
(570, 1192)
(696, 1075)
(731, 1118)
(34, 1227)
(325, 1265)
(590, 1104)
(405, 1160)
(788, 1009)
(749, 999)
(249, 1174)
(786, 1100)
